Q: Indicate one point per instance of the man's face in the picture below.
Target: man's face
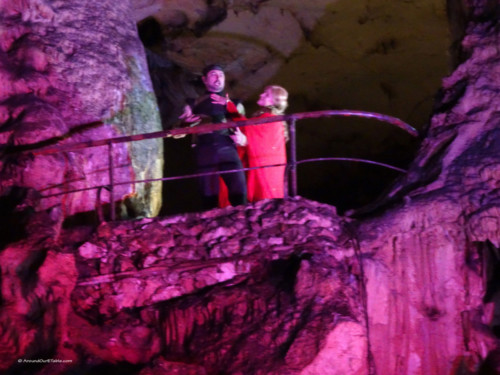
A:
(214, 80)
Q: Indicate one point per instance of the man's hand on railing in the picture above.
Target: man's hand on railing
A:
(239, 138)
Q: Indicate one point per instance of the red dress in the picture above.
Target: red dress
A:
(266, 146)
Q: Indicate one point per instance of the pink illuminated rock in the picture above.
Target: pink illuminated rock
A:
(71, 73)
(405, 286)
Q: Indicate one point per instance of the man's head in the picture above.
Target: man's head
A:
(213, 78)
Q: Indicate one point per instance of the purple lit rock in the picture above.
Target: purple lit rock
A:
(72, 73)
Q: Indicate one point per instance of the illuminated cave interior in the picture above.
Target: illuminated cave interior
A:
(370, 56)
(281, 286)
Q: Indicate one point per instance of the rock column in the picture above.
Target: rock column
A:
(75, 71)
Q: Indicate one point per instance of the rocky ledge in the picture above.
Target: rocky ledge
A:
(268, 288)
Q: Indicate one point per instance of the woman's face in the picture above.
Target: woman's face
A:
(266, 99)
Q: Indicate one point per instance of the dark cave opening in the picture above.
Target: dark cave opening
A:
(491, 262)
(343, 184)
(401, 81)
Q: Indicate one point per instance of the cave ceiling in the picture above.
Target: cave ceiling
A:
(373, 55)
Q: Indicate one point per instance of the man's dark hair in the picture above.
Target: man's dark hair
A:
(210, 67)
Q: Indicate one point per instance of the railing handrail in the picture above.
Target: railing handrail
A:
(206, 128)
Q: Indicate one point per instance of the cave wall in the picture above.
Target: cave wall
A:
(441, 246)
(71, 72)
(406, 285)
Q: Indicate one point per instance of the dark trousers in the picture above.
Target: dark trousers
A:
(213, 157)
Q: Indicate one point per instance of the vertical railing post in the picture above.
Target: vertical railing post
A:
(111, 182)
(293, 157)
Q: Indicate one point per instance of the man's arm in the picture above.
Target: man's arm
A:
(238, 137)
(189, 117)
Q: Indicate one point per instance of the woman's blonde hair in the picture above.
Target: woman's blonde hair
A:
(280, 98)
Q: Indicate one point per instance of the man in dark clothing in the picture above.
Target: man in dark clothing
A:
(216, 151)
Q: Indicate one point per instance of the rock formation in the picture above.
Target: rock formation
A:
(406, 285)
(71, 73)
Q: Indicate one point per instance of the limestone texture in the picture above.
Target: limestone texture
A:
(71, 72)
(407, 285)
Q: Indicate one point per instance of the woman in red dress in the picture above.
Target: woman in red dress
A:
(265, 146)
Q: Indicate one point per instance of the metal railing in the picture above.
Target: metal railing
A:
(291, 165)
